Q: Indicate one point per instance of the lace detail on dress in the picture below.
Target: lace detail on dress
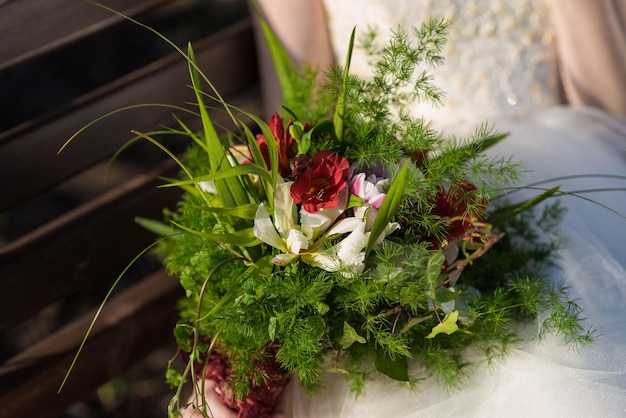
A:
(498, 55)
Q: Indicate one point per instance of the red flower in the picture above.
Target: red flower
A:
(319, 185)
(455, 204)
(286, 144)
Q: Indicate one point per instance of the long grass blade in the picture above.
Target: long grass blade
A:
(99, 311)
(241, 238)
(285, 68)
(388, 208)
(235, 171)
(113, 112)
(340, 108)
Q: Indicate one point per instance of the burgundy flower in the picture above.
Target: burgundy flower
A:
(261, 400)
(319, 185)
(286, 144)
(299, 164)
(454, 204)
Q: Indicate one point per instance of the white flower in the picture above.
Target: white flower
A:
(304, 236)
(348, 255)
(284, 232)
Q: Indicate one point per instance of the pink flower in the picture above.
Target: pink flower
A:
(369, 188)
(318, 187)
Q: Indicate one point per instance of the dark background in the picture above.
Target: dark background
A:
(39, 89)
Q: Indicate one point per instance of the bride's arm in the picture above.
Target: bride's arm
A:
(591, 46)
(301, 27)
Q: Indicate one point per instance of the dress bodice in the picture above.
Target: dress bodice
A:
(498, 58)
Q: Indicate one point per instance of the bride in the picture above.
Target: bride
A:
(501, 68)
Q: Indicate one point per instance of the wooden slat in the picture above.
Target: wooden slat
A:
(97, 239)
(131, 325)
(31, 28)
(88, 243)
(29, 153)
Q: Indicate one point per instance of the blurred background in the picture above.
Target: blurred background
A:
(41, 89)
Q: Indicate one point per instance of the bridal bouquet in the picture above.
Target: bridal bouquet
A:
(346, 236)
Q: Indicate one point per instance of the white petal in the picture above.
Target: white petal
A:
(313, 224)
(322, 260)
(389, 229)
(285, 210)
(367, 214)
(296, 241)
(333, 213)
(355, 267)
(208, 186)
(283, 259)
(345, 225)
(265, 231)
(352, 245)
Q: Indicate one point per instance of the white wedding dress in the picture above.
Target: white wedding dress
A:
(499, 69)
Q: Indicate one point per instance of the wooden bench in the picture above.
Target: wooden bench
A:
(65, 235)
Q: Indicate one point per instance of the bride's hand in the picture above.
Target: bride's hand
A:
(214, 407)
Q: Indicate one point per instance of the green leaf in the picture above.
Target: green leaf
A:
(304, 143)
(433, 271)
(230, 295)
(317, 325)
(349, 337)
(183, 334)
(341, 100)
(484, 143)
(303, 139)
(389, 206)
(173, 378)
(244, 212)
(474, 148)
(271, 146)
(188, 283)
(157, 227)
(322, 308)
(338, 370)
(446, 295)
(395, 368)
(447, 326)
(262, 266)
(238, 170)
(243, 237)
(285, 68)
(354, 201)
(230, 190)
(413, 322)
(508, 212)
(271, 329)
